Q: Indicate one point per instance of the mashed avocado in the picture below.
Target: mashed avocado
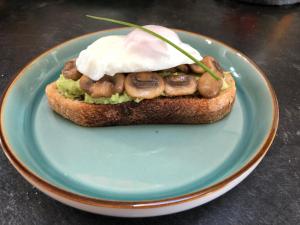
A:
(71, 89)
(114, 99)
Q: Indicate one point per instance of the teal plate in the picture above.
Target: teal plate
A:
(135, 164)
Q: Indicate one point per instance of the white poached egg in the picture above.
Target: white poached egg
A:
(137, 51)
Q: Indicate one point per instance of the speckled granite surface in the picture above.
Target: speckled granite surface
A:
(268, 35)
(272, 2)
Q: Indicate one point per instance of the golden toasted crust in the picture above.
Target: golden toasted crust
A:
(164, 110)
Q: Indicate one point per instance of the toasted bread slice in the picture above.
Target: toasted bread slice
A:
(163, 110)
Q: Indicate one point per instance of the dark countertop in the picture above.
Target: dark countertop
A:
(268, 35)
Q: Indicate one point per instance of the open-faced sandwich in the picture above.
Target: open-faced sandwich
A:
(140, 79)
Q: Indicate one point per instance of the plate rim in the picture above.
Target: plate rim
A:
(36, 180)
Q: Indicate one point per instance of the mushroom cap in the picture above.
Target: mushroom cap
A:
(85, 83)
(102, 88)
(146, 85)
(209, 87)
(196, 69)
(178, 85)
(118, 81)
(210, 62)
(183, 68)
(70, 71)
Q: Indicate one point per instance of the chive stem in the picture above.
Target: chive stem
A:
(199, 63)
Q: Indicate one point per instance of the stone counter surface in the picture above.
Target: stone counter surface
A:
(270, 35)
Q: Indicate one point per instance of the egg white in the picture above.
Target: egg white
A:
(137, 51)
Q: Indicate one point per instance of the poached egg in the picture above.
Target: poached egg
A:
(137, 51)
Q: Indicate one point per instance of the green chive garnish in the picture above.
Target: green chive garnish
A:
(202, 65)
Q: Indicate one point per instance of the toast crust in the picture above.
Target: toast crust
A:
(163, 110)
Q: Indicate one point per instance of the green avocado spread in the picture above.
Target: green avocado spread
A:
(71, 89)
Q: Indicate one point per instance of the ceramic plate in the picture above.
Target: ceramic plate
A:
(136, 171)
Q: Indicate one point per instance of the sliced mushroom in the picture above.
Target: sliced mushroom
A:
(70, 71)
(119, 80)
(196, 69)
(105, 87)
(170, 70)
(210, 62)
(146, 85)
(209, 87)
(183, 68)
(102, 88)
(180, 85)
(86, 83)
(96, 89)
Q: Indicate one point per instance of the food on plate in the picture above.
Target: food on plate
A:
(140, 79)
